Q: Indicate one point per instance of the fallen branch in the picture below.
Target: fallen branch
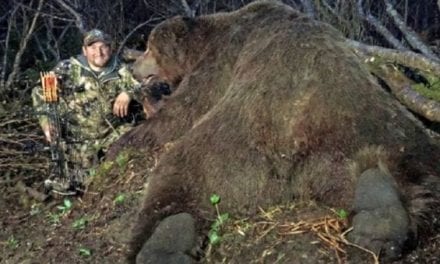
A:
(408, 58)
(401, 88)
(409, 34)
(379, 59)
(380, 28)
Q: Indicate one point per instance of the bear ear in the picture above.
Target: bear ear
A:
(190, 23)
(182, 28)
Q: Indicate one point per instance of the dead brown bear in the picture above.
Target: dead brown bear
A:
(269, 106)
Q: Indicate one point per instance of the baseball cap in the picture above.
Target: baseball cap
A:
(96, 35)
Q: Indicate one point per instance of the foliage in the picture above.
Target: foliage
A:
(119, 199)
(122, 160)
(430, 89)
(65, 207)
(85, 252)
(342, 214)
(63, 210)
(12, 242)
(80, 223)
(214, 232)
(54, 218)
(105, 168)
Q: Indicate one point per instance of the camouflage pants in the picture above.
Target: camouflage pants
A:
(89, 153)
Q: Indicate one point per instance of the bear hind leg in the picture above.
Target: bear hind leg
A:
(380, 223)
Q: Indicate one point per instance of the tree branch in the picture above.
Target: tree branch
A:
(409, 34)
(381, 29)
(399, 84)
(188, 11)
(121, 46)
(5, 15)
(308, 8)
(23, 44)
(79, 21)
(401, 88)
(5, 52)
(408, 58)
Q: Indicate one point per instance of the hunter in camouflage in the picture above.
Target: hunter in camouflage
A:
(96, 90)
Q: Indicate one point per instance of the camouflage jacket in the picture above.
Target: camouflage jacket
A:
(87, 97)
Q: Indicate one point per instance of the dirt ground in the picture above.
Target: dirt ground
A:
(93, 228)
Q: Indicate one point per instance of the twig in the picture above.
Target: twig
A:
(188, 11)
(266, 232)
(121, 46)
(79, 21)
(23, 45)
(380, 28)
(345, 241)
(410, 35)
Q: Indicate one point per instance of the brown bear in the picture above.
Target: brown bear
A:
(270, 105)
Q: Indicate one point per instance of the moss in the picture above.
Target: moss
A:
(431, 89)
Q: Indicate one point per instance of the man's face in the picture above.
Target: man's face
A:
(97, 54)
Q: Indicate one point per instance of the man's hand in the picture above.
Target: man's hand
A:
(120, 107)
(47, 132)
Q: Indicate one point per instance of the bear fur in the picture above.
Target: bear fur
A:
(269, 106)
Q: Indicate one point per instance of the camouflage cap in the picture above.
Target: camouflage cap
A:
(96, 35)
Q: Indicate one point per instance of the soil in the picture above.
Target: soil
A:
(96, 227)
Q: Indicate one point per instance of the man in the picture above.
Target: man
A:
(96, 92)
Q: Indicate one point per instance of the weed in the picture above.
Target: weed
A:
(80, 223)
(92, 172)
(119, 199)
(66, 207)
(342, 214)
(85, 252)
(214, 236)
(122, 160)
(54, 218)
(12, 242)
(105, 167)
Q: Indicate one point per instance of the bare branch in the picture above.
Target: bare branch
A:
(5, 16)
(410, 35)
(399, 84)
(188, 11)
(23, 44)
(121, 46)
(381, 29)
(79, 21)
(331, 9)
(308, 8)
(401, 88)
(407, 58)
(196, 4)
(44, 14)
(40, 48)
(6, 50)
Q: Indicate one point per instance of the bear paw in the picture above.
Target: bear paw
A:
(171, 242)
(381, 223)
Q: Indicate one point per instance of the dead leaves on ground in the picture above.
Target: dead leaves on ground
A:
(329, 230)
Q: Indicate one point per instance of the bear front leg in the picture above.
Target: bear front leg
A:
(171, 242)
(380, 221)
